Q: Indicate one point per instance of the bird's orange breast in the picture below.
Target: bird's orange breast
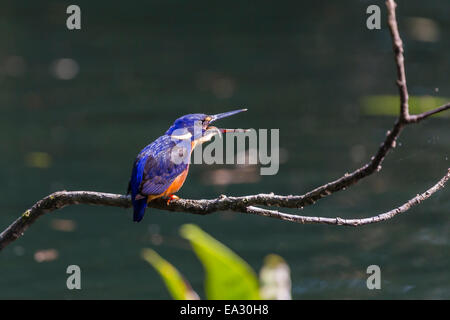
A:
(173, 188)
(176, 184)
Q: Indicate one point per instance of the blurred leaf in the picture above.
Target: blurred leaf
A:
(178, 287)
(228, 277)
(275, 278)
(381, 105)
(40, 160)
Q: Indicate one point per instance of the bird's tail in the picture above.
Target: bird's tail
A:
(139, 209)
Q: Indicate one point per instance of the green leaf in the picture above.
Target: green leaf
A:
(178, 287)
(228, 276)
(380, 105)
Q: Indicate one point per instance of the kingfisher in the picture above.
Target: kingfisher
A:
(161, 168)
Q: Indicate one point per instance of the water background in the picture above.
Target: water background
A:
(302, 67)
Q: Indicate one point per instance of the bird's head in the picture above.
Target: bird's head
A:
(197, 127)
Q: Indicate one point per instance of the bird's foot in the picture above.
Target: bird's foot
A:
(172, 197)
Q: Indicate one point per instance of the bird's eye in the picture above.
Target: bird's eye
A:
(206, 121)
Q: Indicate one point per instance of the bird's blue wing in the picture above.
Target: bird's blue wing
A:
(140, 204)
(160, 168)
(154, 170)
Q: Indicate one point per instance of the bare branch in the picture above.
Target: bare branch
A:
(403, 119)
(57, 201)
(419, 117)
(352, 222)
(62, 199)
(399, 60)
(246, 204)
(397, 43)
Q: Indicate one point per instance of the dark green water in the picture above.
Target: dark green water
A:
(299, 67)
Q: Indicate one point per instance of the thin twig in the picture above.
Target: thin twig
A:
(352, 222)
(397, 44)
(419, 117)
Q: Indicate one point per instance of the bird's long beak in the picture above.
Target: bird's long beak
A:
(212, 130)
(225, 114)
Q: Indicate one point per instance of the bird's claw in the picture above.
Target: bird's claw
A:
(172, 197)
